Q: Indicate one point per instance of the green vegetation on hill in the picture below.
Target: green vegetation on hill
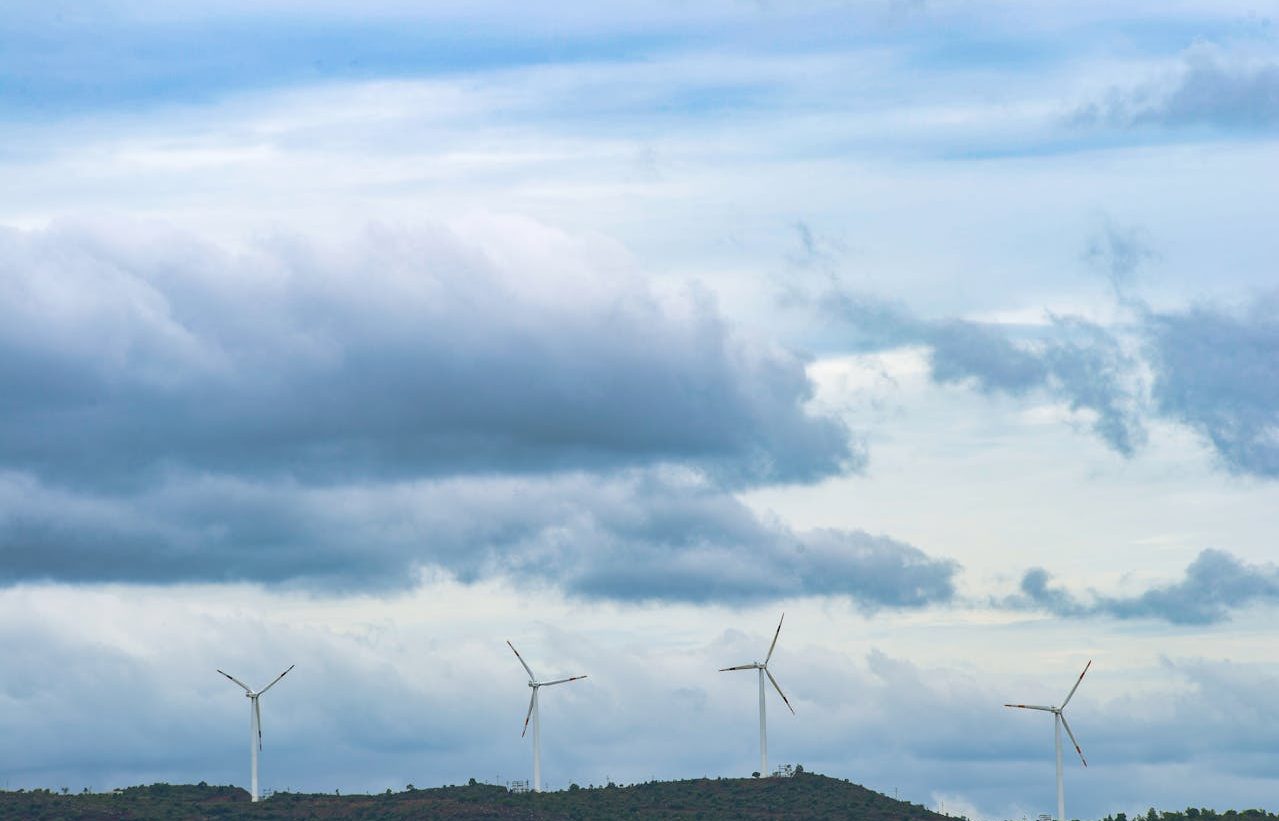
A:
(805, 796)
(1193, 814)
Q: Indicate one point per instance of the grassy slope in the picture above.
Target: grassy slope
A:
(805, 796)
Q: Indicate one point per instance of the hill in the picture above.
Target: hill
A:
(805, 796)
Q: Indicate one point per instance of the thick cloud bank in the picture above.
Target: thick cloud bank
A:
(1215, 584)
(660, 535)
(400, 353)
(353, 415)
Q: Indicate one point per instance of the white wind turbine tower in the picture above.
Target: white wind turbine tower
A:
(763, 671)
(533, 714)
(1059, 721)
(255, 723)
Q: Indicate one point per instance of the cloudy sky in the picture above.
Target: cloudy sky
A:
(365, 336)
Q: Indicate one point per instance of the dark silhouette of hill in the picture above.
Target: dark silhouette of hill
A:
(804, 796)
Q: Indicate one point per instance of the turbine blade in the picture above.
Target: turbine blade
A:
(1032, 707)
(277, 678)
(1071, 694)
(739, 667)
(529, 714)
(559, 681)
(257, 717)
(237, 681)
(778, 687)
(531, 677)
(775, 635)
(1066, 724)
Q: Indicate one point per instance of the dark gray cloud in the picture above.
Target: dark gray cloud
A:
(397, 354)
(1213, 369)
(349, 414)
(986, 355)
(1217, 371)
(1091, 370)
(1070, 360)
(1208, 91)
(662, 535)
(1215, 584)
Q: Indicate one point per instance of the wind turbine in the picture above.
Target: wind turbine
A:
(1059, 721)
(255, 722)
(763, 671)
(532, 713)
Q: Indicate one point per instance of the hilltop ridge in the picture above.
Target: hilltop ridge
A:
(801, 797)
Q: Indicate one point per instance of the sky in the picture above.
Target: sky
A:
(368, 336)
